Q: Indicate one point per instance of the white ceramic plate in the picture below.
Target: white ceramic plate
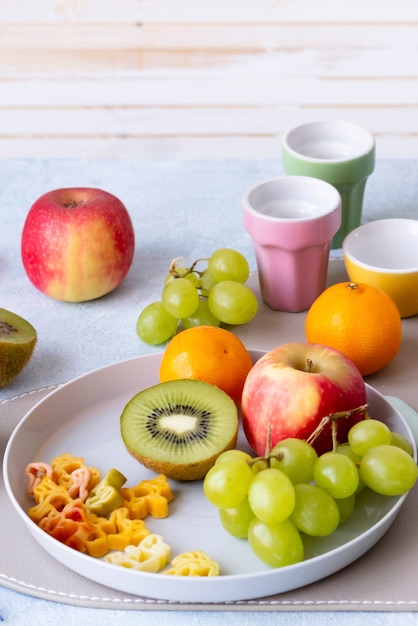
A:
(82, 418)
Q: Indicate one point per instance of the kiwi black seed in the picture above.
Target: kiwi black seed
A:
(180, 427)
(17, 342)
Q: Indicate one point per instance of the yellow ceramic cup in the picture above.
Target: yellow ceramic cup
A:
(384, 253)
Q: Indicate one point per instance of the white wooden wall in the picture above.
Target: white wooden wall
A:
(202, 78)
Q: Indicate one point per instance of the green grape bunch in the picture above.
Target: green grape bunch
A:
(291, 492)
(212, 295)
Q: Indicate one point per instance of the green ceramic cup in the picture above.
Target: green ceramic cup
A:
(339, 152)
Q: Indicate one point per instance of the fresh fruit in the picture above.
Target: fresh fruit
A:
(17, 342)
(276, 511)
(236, 520)
(232, 302)
(155, 325)
(388, 470)
(367, 434)
(316, 512)
(360, 320)
(292, 388)
(277, 545)
(214, 355)
(180, 298)
(226, 484)
(77, 243)
(336, 474)
(228, 264)
(346, 507)
(296, 458)
(271, 495)
(232, 454)
(179, 428)
(196, 296)
(202, 316)
(399, 440)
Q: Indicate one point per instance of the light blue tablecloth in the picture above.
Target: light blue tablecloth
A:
(178, 209)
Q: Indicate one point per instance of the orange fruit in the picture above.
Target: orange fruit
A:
(214, 355)
(360, 320)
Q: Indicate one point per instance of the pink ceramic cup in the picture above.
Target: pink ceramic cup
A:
(292, 221)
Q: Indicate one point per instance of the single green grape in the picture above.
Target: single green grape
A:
(337, 474)
(229, 455)
(344, 448)
(294, 457)
(232, 302)
(388, 470)
(277, 545)
(259, 464)
(346, 507)
(206, 282)
(226, 484)
(201, 317)
(180, 298)
(236, 520)
(401, 441)
(271, 495)
(316, 512)
(155, 325)
(180, 273)
(228, 264)
(367, 434)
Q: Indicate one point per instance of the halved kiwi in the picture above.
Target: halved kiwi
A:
(180, 427)
(17, 341)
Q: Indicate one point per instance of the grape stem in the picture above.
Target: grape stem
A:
(268, 442)
(333, 418)
(188, 270)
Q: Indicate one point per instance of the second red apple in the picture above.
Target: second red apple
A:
(292, 387)
(77, 243)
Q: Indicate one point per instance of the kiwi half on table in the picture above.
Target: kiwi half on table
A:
(17, 341)
(179, 428)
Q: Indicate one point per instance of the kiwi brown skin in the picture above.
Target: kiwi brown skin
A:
(17, 342)
(155, 433)
(182, 472)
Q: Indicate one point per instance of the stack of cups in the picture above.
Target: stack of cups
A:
(295, 220)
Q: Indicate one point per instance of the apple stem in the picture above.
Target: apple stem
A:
(72, 204)
(309, 366)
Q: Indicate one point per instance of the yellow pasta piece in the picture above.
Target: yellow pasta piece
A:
(96, 543)
(115, 532)
(149, 497)
(193, 563)
(150, 555)
(50, 497)
(65, 464)
(129, 531)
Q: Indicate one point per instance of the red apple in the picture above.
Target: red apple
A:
(77, 244)
(292, 387)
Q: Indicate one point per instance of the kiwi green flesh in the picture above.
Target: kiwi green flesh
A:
(17, 342)
(179, 428)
